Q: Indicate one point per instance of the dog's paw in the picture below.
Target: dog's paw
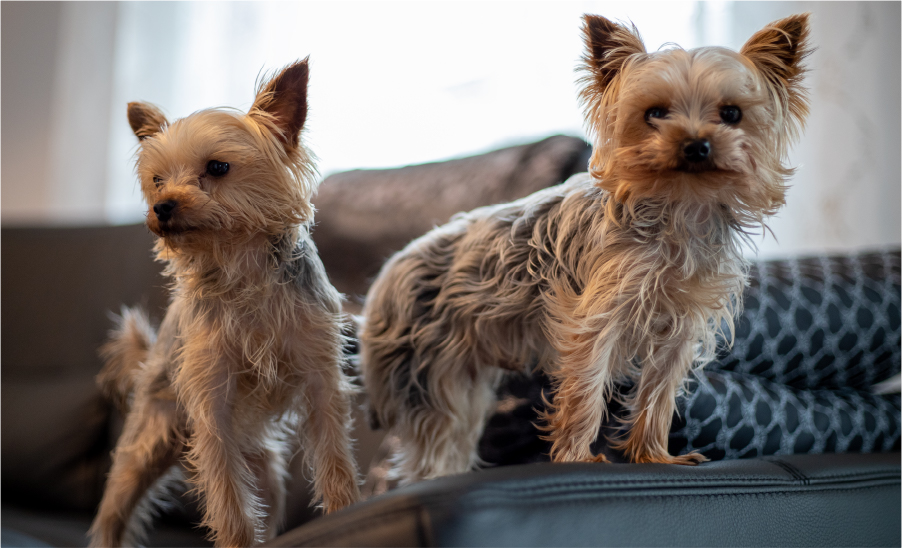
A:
(588, 458)
(691, 459)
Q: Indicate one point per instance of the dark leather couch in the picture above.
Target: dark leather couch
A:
(796, 500)
(59, 285)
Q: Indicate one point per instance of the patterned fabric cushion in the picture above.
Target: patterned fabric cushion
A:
(815, 335)
(732, 415)
(820, 323)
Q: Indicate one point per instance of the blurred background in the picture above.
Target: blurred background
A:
(399, 83)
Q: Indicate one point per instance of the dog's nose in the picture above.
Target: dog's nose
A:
(163, 210)
(697, 150)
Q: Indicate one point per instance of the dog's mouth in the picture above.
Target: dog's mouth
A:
(696, 167)
(170, 229)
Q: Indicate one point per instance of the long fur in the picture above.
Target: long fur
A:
(249, 355)
(630, 271)
(124, 355)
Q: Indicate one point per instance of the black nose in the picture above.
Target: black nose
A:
(697, 150)
(164, 210)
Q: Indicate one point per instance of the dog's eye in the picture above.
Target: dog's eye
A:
(730, 114)
(158, 181)
(655, 112)
(217, 168)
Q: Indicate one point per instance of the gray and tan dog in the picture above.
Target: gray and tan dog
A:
(250, 350)
(631, 270)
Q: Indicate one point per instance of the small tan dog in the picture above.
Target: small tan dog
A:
(630, 271)
(250, 350)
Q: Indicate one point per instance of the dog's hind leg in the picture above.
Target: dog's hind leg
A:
(269, 469)
(439, 433)
(151, 443)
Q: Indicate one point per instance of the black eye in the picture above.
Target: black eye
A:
(217, 168)
(730, 114)
(655, 112)
(158, 181)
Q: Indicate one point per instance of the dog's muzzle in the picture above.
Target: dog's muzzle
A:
(697, 150)
(164, 210)
(697, 155)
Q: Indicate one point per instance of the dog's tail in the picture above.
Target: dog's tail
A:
(124, 355)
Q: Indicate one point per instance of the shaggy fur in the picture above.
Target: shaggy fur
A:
(250, 349)
(629, 271)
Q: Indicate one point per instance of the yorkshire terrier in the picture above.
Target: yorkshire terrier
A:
(249, 352)
(632, 271)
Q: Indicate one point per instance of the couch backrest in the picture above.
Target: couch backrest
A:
(59, 286)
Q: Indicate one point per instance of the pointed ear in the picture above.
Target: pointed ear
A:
(146, 120)
(778, 49)
(608, 45)
(283, 100)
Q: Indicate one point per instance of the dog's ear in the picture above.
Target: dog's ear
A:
(146, 120)
(608, 46)
(283, 100)
(778, 51)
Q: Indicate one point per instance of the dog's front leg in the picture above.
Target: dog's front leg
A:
(653, 402)
(223, 476)
(588, 357)
(326, 428)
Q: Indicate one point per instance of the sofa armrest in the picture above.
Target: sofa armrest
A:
(798, 500)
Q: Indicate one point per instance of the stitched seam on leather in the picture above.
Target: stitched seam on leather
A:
(792, 470)
(800, 481)
(692, 482)
(582, 500)
(888, 471)
(667, 480)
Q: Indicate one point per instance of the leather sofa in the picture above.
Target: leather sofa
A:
(796, 500)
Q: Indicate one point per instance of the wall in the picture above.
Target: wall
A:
(57, 83)
(847, 192)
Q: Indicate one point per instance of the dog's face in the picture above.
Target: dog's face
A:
(223, 176)
(707, 126)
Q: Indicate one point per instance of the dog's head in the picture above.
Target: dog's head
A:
(223, 176)
(708, 126)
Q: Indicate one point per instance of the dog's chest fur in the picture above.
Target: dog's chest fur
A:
(263, 328)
